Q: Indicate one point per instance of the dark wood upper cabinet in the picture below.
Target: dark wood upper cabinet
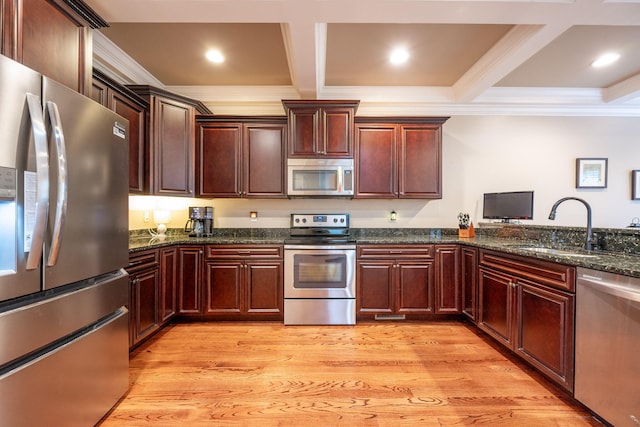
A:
(133, 108)
(376, 164)
(171, 131)
(241, 157)
(52, 37)
(399, 158)
(320, 128)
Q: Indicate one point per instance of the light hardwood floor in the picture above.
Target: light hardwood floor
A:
(372, 374)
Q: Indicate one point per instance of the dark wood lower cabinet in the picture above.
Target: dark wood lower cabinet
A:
(144, 285)
(545, 328)
(528, 306)
(395, 280)
(469, 285)
(189, 280)
(448, 288)
(168, 280)
(244, 281)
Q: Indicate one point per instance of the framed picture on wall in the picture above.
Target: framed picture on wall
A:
(635, 185)
(591, 173)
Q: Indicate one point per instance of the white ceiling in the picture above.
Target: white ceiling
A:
(467, 57)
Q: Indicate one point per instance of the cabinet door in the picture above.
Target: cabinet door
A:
(189, 273)
(415, 287)
(447, 282)
(545, 331)
(496, 306)
(374, 282)
(376, 174)
(174, 148)
(264, 281)
(220, 160)
(138, 149)
(264, 160)
(304, 126)
(420, 164)
(52, 40)
(223, 287)
(168, 280)
(337, 132)
(145, 285)
(99, 92)
(469, 266)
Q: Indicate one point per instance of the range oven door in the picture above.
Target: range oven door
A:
(319, 272)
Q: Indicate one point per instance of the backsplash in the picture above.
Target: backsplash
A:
(609, 239)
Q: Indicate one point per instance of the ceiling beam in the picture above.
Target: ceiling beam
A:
(518, 45)
(300, 46)
(624, 91)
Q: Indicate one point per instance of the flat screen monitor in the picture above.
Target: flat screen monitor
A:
(507, 206)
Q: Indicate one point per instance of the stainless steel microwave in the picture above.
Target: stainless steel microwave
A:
(320, 177)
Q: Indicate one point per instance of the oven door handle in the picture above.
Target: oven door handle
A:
(321, 247)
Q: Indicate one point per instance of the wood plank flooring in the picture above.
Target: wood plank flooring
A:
(373, 374)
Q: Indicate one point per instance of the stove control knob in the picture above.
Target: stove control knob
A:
(304, 219)
(342, 220)
(297, 220)
(335, 220)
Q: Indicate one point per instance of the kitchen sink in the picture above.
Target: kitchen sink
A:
(557, 252)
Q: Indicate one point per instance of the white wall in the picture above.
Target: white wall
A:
(480, 154)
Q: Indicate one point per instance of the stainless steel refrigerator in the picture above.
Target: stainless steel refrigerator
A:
(63, 245)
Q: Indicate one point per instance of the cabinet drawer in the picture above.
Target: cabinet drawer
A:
(142, 260)
(243, 251)
(549, 273)
(396, 252)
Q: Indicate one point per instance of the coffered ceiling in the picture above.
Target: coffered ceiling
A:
(466, 57)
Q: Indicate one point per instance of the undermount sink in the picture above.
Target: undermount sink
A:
(557, 252)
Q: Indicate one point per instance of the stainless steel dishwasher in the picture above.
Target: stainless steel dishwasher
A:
(607, 375)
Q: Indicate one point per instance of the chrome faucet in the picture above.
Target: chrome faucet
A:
(589, 242)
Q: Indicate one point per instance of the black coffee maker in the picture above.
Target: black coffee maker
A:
(200, 222)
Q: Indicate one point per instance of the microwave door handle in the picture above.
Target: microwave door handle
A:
(340, 179)
(61, 201)
(34, 105)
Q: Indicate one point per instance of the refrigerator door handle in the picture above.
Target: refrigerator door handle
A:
(61, 201)
(34, 105)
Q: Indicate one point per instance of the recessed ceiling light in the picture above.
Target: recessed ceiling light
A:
(399, 56)
(215, 56)
(606, 59)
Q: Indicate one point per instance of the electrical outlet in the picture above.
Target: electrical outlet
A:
(146, 216)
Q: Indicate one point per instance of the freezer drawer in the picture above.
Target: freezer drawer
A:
(72, 385)
(27, 328)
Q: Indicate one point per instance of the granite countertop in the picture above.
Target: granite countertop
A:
(613, 262)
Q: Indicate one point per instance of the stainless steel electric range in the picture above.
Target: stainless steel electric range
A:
(319, 271)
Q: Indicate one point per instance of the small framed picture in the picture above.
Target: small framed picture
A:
(591, 173)
(635, 185)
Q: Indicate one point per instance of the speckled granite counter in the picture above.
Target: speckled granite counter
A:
(611, 261)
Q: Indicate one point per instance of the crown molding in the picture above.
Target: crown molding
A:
(114, 62)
